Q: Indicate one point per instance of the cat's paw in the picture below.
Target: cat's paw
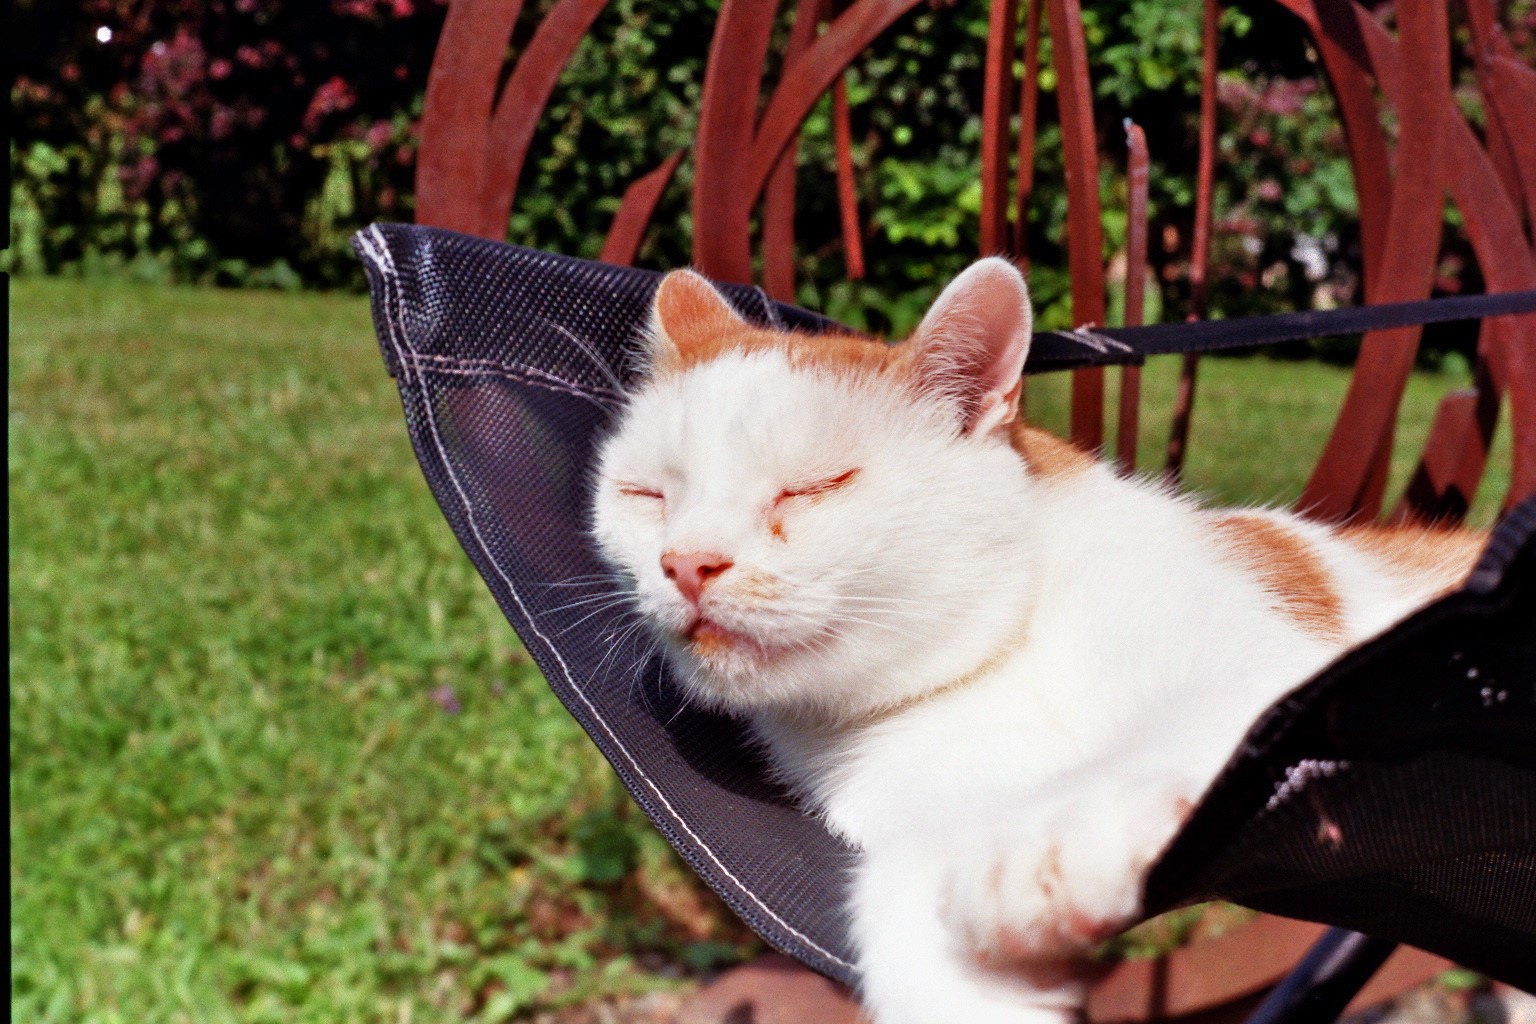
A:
(911, 969)
(1042, 889)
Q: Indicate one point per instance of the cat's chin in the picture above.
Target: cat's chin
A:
(731, 670)
(735, 657)
(709, 641)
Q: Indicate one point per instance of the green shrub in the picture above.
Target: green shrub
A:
(217, 141)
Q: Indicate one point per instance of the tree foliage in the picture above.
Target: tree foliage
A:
(243, 140)
(206, 138)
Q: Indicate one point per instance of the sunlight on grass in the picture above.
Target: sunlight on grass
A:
(275, 754)
(232, 601)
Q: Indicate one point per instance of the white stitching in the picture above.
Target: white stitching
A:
(528, 374)
(532, 378)
(387, 265)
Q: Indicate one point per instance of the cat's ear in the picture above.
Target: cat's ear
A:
(689, 316)
(971, 345)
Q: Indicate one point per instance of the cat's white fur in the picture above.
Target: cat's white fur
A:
(1006, 687)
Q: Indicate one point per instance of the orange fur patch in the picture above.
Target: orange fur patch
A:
(1289, 568)
(832, 351)
(708, 645)
(1045, 454)
(1443, 556)
(701, 328)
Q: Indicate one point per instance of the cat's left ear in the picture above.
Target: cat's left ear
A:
(971, 345)
(688, 318)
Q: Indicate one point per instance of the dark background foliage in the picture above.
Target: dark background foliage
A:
(213, 138)
(242, 141)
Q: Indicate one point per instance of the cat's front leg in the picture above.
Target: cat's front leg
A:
(1055, 877)
(913, 969)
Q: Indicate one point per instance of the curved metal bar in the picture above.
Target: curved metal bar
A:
(1337, 36)
(722, 246)
(1501, 99)
(1328, 977)
(522, 104)
(1456, 450)
(779, 194)
(847, 194)
(1200, 249)
(996, 95)
(1493, 226)
(1205, 171)
(803, 82)
(635, 211)
(1509, 94)
(1455, 454)
(1029, 97)
(1136, 183)
(1350, 477)
(461, 91)
(1085, 251)
(1511, 91)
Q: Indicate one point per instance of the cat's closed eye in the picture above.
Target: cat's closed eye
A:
(816, 488)
(637, 491)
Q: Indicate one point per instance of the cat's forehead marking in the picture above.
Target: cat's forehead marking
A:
(699, 342)
(701, 327)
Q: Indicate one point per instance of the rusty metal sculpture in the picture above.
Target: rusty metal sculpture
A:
(475, 140)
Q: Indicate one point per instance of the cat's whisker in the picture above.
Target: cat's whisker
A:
(870, 623)
(618, 641)
(584, 618)
(872, 600)
(839, 617)
(586, 349)
(686, 692)
(609, 596)
(646, 653)
(624, 622)
(588, 581)
(627, 613)
(846, 594)
(594, 575)
(582, 599)
(621, 643)
(849, 572)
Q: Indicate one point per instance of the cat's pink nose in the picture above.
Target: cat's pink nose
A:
(690, 571)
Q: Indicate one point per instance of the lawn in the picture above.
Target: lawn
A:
(275, 756)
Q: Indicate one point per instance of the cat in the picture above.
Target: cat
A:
(1000, 669)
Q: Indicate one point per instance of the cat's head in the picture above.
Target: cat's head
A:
(822, 525)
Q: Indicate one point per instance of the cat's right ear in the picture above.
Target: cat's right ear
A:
(970, 347)
(689, 319)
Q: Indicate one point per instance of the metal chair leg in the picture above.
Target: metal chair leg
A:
(1334, 970)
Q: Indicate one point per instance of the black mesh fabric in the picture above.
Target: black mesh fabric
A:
(1395, 793)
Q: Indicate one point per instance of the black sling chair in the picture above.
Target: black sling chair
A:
(1394, 794)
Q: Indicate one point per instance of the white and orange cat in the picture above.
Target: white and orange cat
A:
(1001, 670)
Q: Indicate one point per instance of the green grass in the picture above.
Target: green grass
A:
(234, 797)
(1260, 425)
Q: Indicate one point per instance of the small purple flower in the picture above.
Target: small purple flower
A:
(444, 697)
